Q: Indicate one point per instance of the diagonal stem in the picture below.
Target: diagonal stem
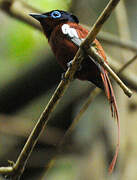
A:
(20, 164)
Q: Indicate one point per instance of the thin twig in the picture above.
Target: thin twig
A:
(91, 51)
(128, 76)
(18, 12)
(128, 63)
(113, 40)
(99, 23)
(85, 106)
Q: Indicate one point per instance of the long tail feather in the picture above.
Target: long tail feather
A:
(111, 98)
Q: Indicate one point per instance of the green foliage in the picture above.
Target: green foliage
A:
(23, 41)
(50, 4)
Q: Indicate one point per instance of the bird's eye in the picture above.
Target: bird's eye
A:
(56, 14)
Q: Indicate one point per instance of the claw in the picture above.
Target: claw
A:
(69, 65)
(63, 76)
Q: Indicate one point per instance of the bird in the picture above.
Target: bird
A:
(65, 34)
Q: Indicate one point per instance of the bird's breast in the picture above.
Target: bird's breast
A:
(63, 48)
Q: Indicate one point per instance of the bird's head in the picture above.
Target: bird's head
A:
(53, 18)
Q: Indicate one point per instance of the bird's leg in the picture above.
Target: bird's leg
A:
(69, 65)
(63, 76)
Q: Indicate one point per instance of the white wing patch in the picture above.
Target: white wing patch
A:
(71, 32)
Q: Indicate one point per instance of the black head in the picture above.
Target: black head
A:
(57, 15)
(50, 19)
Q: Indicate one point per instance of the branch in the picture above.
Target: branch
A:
(15, 9)
(127, 76)
(9, 124)
(99, 23)
(128, 63)
(85, 106)
(117, 41)
(18, 168)
(92, 52)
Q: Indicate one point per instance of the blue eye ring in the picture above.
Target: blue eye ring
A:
(56, 14)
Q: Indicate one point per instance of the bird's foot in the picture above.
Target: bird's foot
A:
(69, 65)
(63, 77)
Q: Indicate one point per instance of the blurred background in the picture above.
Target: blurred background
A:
(29, 75)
